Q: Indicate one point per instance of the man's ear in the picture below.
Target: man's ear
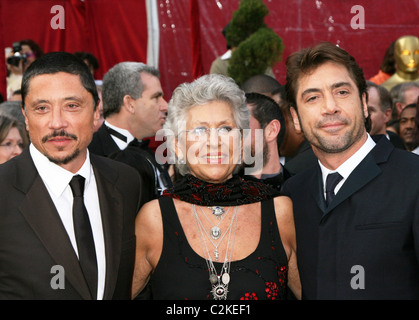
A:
(96, 115)
(387, 115)
(364, 104)
(22, 108)
(128, 104)
(178, 150)
(271, 130)
(295, 120)
(399, 107)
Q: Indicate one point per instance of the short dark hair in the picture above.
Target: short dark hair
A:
(306, 60)
(261, 83)
(265, 110)
(91, 59)
(54, 62)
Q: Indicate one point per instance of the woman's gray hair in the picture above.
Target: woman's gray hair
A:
(208, 88)
(123, 79)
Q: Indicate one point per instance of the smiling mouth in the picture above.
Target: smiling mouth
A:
(214, 158)
(332, 127)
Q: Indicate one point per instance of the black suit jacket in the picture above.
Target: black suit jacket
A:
(102, 143)
(372, 222)
(396, 140)
(137, 155)
(33, 238)
(304, 158)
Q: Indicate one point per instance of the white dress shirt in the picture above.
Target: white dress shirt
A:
(346, 168)
(56, 180)
(121, 144)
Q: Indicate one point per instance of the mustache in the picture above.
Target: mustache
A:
(332, 118)
(59, 133)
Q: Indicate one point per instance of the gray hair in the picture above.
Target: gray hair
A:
(208, 88)
(12, 109)
(121, 80)
(399, 90)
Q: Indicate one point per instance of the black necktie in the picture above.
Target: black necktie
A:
(84, 235)
(331, 182)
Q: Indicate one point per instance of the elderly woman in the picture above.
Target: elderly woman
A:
(13, 138)
(214, 235)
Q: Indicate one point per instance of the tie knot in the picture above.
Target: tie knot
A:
(332, 180)
(77, 185)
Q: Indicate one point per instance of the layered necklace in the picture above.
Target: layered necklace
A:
(215, 230)
(219, 281)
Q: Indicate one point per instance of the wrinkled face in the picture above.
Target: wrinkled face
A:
(330, 112)
(406, 54)
(378, 117)
(11, 146)
(408, 127)
(151, 107)
(60, 117)
(211, 145)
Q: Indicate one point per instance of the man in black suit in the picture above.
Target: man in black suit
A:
(362, 243)
(134, 108)
(43, 214)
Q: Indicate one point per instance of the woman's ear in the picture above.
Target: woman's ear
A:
(178, 150)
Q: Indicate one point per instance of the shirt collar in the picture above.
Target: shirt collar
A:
(55, 177)
(350, 164)
(126, 133)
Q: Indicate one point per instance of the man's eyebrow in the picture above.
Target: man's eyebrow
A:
(341, 84)
(309, 90)
(70, 98)
(333, 86)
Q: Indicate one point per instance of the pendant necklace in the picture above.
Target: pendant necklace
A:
(217, 211)
(202, 228)
(219, 283)
(215, 230)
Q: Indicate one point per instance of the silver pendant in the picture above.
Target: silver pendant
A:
(225, 278)
(219, 292)
(215, 232)
(217, 211)
(213, 278)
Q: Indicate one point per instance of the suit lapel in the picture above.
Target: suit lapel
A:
(366, 171)
(317, 189)
(108, 144)
(110, 201)
(47, 225)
